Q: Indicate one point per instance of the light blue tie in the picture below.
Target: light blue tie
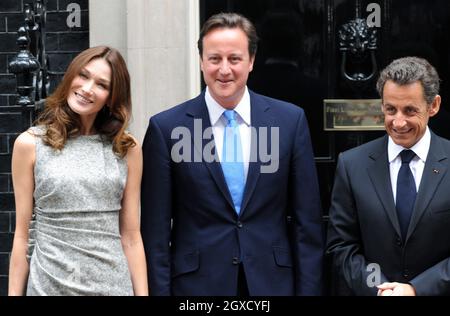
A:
(232, 162)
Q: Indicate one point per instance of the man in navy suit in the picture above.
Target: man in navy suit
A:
(251, 226)
(389, 231)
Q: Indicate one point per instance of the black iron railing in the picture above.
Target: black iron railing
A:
(30, 63)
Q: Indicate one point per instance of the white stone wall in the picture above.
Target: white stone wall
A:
(158, 39)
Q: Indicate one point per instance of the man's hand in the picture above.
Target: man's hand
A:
(395, 289)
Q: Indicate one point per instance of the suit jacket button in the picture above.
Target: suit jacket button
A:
(405, 274)
(235, 260)
(239, 224)
(399, 242)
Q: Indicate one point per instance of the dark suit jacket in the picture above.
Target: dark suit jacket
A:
(364, 227)
(201, 252)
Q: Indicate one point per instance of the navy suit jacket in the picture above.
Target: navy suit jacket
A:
(364, 236)
(194, 240)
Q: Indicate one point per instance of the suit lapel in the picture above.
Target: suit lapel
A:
(259, 118)
(380, 177)
(433, 173)
(197, 110)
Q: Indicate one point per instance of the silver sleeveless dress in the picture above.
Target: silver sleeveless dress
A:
(75, 246)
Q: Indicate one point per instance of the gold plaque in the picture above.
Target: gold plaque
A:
(353, 115)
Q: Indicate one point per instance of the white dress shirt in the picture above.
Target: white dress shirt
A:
(218, 123)
(416, 165)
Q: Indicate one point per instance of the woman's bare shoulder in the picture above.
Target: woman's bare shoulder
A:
(26, 140)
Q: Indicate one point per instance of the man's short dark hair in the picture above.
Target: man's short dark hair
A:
(230, 20)
(407, 70)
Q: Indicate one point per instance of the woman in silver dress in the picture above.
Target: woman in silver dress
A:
(76, 177)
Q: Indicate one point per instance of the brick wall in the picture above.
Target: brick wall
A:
(62, 44)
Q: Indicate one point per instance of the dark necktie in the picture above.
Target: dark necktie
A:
(232, 162)
(406, 192)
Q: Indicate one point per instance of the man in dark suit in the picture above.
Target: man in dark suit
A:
(212, 225)
(389, 229)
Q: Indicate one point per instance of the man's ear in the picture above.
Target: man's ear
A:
(201, 62)
(252, 61)
(435, 106)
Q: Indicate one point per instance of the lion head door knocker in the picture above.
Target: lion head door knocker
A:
(357, 44)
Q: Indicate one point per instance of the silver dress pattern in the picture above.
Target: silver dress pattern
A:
(75, 246)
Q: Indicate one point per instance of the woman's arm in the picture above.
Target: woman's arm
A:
(130, 222)
(23, 159)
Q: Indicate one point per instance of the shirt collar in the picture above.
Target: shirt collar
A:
(215, 110)
(421, 148)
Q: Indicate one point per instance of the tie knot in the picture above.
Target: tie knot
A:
(230, 115)
(407, 155)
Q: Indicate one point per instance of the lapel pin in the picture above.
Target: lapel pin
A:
(435, 170)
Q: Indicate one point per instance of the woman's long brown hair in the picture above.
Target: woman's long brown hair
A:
(62, 123)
